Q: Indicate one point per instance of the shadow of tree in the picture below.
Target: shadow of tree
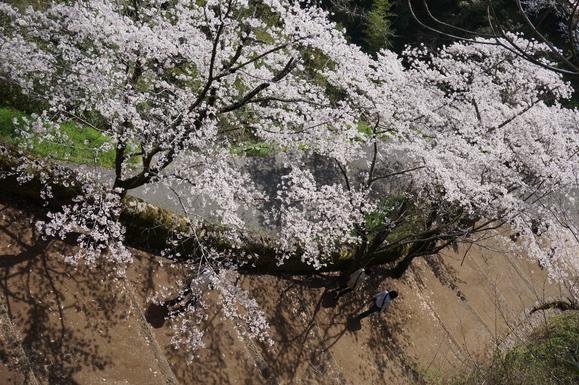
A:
(217, 362)
(446, 274)
(60, 310)
(306, 332)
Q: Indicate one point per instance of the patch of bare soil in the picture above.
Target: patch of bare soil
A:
(75, 325)
(62, 324)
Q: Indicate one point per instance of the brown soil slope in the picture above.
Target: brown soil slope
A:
(61, 324)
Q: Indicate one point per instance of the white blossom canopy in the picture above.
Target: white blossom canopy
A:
(473, 136)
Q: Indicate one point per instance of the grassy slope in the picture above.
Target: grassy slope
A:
(550, 356)
(80, 146)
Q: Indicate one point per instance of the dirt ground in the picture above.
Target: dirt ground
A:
(61, 324)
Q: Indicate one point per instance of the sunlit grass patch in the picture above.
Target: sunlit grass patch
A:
(82, 145)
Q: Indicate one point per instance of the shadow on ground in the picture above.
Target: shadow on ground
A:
(68, 317)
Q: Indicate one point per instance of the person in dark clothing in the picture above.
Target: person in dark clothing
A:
(380, 302)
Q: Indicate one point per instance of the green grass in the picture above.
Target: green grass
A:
(81, 142)
(7, 128)
(79, 147)
(549, 356)
(253, 149)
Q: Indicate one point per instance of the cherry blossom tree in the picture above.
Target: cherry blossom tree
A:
(552, 22)
(430, 149)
